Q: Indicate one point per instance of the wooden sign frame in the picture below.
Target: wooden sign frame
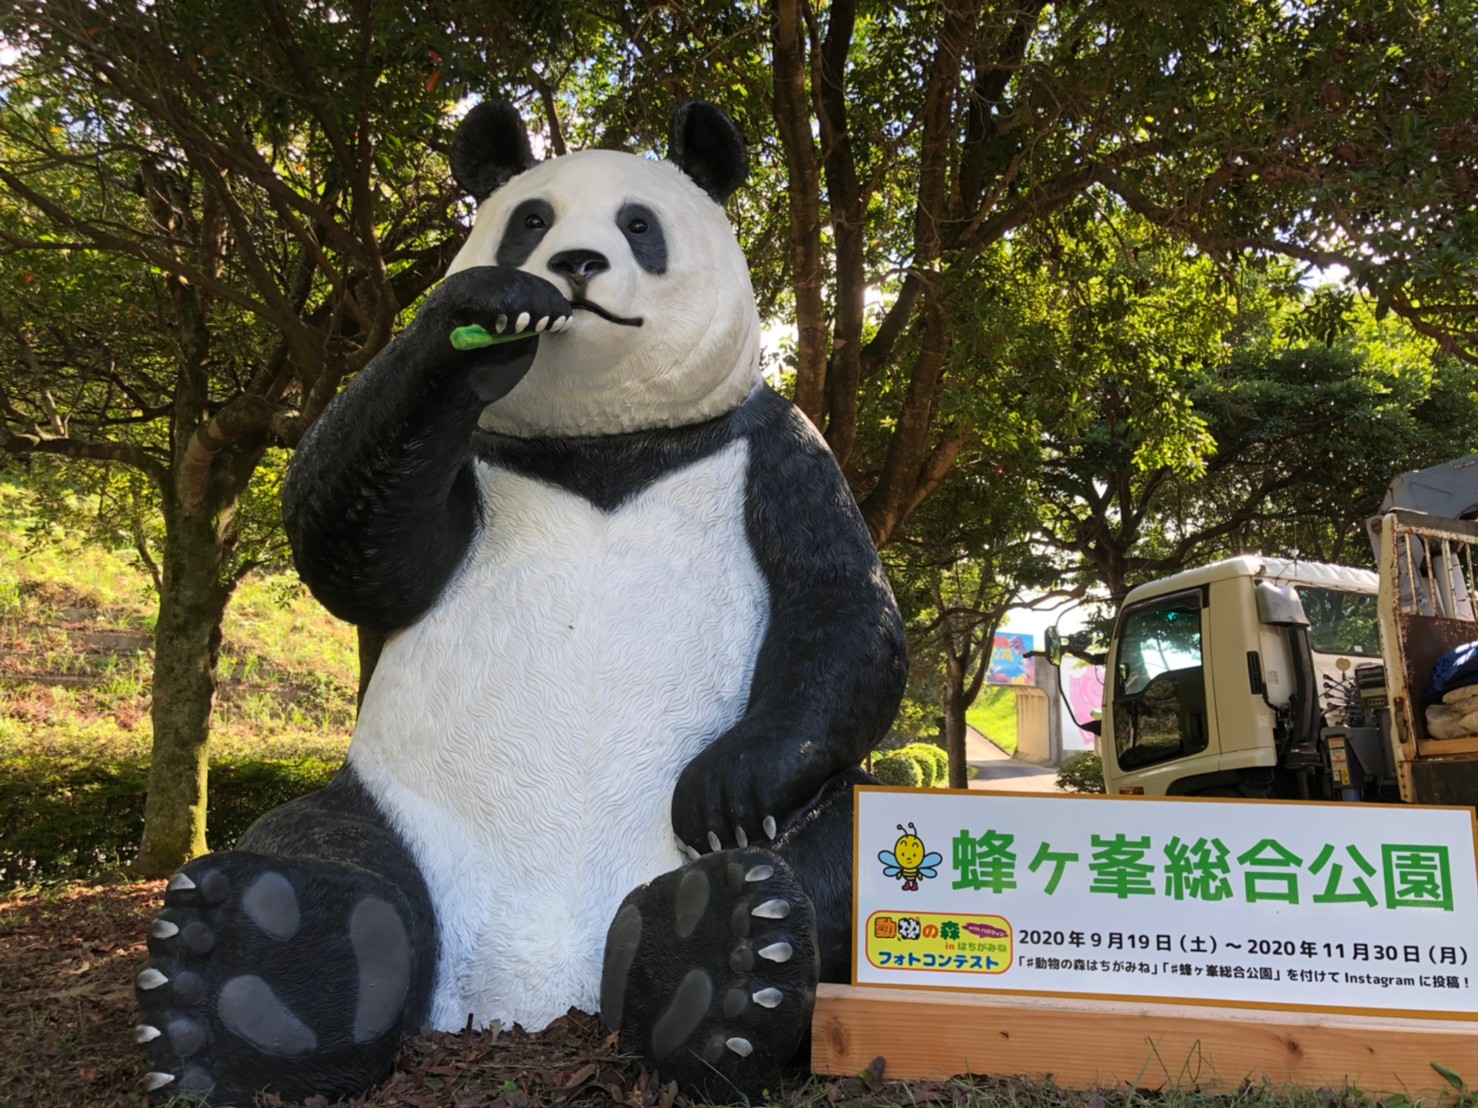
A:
(1098, 1044)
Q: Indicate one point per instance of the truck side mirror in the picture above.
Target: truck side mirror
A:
(1053, 642)
(1279, 605)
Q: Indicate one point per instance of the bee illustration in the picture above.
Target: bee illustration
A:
(908, 861)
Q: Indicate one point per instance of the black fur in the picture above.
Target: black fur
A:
(527, 225)
(607, 470)
(490, 148)
(705, 144)
(643, 231)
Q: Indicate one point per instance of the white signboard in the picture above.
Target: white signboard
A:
(1346, 907)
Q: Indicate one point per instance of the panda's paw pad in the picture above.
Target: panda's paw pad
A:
(240, 957)
(712, 969)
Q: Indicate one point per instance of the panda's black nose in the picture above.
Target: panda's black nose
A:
(578, 265)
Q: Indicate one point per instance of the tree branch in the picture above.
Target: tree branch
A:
(243, 416)
(122, 452)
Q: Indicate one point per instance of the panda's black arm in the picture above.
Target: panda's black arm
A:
(831, 669)
(381, 500)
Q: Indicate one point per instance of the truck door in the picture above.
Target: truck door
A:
(1159, 690)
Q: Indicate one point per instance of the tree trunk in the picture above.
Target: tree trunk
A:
(954, 704)
(187, 642)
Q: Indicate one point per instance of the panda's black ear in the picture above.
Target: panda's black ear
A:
(490, 148)
(707, 146)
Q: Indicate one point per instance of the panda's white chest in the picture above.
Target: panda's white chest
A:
(526, 734)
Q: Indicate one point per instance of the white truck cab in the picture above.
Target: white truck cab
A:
(1216, 675)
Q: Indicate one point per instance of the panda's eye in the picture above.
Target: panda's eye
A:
(637, 226)
(535, 223)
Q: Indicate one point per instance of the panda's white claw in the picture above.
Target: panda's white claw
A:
(776, 952)
(541, 325)
(760, 873)
(143, 1033)
(772, 909)
(561, 324)
(769, 826)
(741, 1047)
(768, 998)
(156, 1079)
(713, 843)
(692, 854)
(501, 325)
(740, 837)
(179, 882)
(523, 322)
(151, 978)
(163, 929)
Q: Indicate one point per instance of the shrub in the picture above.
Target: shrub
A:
(898, 769)
(1082, 773)
(935, 756)
(73, 819)
(931, 760)
(923, 761)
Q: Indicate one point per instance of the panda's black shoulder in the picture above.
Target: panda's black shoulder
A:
(776, 429)
(798, 503)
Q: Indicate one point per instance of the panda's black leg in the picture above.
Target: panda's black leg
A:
(293, 964)
(817, 845)
(711, 970)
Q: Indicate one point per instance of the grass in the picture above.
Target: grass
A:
(994, 715)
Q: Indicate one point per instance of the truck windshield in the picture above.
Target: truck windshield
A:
(1341, 622)
(1160, 637)
(1159, 709)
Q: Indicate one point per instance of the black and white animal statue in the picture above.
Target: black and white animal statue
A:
(638, 643)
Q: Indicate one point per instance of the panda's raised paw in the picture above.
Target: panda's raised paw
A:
(489, 321)
(259, 967)
(501, 300)
(710, 972)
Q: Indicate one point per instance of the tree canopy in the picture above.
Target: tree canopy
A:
(1016, 246)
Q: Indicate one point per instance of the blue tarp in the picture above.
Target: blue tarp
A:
(1456, 669)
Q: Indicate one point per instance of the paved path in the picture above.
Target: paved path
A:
(998, 770)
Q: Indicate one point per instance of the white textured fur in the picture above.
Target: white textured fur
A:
(697, 354)
(525, 736)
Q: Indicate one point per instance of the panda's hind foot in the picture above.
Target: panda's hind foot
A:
(710, 972)
(271, 973)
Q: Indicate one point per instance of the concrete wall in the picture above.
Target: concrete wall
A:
(1034, 726)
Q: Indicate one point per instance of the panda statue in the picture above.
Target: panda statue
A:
(638, 644)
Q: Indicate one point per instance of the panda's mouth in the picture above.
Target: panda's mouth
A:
(612, 317)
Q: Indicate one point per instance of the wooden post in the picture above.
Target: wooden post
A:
(1087, 1044)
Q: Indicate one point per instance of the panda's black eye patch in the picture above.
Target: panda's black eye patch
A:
(643, 231)
(527, 225)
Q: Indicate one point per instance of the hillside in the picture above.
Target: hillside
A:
(76, 656)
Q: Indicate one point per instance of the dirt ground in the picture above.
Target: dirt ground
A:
(67, 961)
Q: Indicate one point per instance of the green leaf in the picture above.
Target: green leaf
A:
(1452, 1078)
